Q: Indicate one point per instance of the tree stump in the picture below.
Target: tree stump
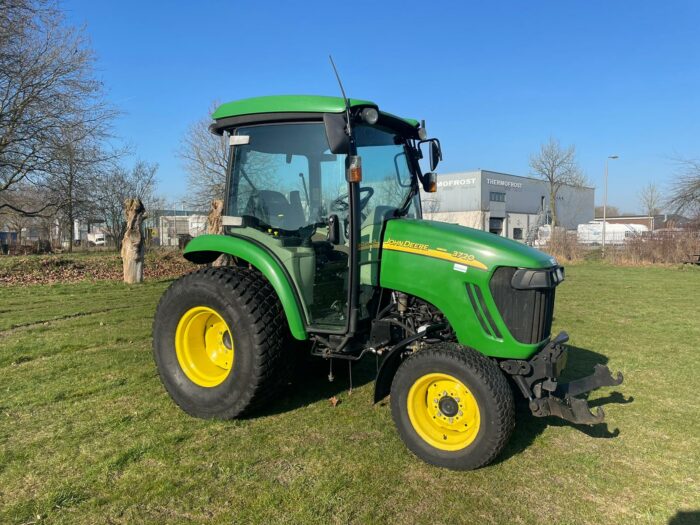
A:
(216, 227)
(132, 245)
(214, 224)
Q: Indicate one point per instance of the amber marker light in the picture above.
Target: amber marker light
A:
(353, 173)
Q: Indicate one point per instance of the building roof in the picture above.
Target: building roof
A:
(291, 104)
(659, 216)
(611, 217)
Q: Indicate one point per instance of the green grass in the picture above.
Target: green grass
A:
(88, 435)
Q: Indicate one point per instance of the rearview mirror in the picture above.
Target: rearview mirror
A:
(435, 154)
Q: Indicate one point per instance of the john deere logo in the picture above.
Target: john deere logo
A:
(417, 248)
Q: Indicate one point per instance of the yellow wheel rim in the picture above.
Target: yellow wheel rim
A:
(204, 346)
(443, 411)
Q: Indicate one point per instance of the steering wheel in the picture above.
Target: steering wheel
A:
(341, 203)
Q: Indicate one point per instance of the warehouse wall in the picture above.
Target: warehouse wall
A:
(461, 195)
(471, 219)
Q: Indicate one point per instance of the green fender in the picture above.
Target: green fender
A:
(206, 248)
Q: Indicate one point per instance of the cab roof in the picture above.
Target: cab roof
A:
(291, 104)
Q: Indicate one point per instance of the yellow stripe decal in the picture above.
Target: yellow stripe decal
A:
(467, 260)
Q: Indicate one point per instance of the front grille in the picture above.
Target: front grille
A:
(527, 313)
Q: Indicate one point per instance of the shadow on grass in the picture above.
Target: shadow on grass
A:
(685, 517)
(310, 384)
(580, 364)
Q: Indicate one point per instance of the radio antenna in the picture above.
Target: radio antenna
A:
(345, 98)
(340, 83)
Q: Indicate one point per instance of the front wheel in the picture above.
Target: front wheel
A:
(452, 406)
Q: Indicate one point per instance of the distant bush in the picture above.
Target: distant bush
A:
(657, 247)
(565, 247)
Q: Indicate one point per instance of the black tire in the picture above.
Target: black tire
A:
(250, 307)
(489, 388)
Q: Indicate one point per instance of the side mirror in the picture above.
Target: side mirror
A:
(435, 154)
(430, 182)
(333, 230)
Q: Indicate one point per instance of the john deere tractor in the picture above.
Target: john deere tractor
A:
(329, 256)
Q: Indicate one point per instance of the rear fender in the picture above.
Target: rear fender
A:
(207, 248)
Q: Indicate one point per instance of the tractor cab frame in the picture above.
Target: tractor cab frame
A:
(316, 197)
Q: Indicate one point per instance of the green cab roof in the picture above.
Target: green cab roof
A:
(290, 104)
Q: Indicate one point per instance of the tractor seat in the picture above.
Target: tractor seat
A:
(274, 208)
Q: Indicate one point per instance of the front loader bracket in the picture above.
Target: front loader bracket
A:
(537, 379)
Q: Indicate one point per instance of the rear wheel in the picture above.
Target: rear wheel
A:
(220, 342)
(452, 406)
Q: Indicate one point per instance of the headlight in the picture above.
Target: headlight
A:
(560, 274)
(527, 279)
(370, 116)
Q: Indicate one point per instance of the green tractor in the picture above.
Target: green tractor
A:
(330, 256)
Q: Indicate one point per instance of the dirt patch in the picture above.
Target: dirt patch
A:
(66, 268)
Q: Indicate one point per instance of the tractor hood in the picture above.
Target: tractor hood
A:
(461, 245)
(455, 269)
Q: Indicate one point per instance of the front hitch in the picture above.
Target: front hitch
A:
(537, 379)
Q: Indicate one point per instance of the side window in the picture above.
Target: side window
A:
(270, 179)
(270, 188)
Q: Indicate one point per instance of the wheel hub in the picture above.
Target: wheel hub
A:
(448, 406)
(443, 411)
(204, 346)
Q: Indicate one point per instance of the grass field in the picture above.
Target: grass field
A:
(88, 435)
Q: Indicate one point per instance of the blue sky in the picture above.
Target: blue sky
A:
(493, 80)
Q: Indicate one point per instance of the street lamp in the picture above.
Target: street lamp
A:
(605, 197)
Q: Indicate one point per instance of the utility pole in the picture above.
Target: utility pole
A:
(605, 198)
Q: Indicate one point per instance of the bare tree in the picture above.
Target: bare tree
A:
(46, 81)
(650, 199)
(685, 190)
(205, 160)
(78, 160)
(118, 185)
(431, 205)
(22, 196)
(204, 155)
(558, 166)
(612, 211)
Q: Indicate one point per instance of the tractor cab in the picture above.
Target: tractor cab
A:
(290, 187)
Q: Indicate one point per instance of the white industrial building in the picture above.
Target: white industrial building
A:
(506, 205)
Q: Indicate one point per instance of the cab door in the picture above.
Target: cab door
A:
(287, 186)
